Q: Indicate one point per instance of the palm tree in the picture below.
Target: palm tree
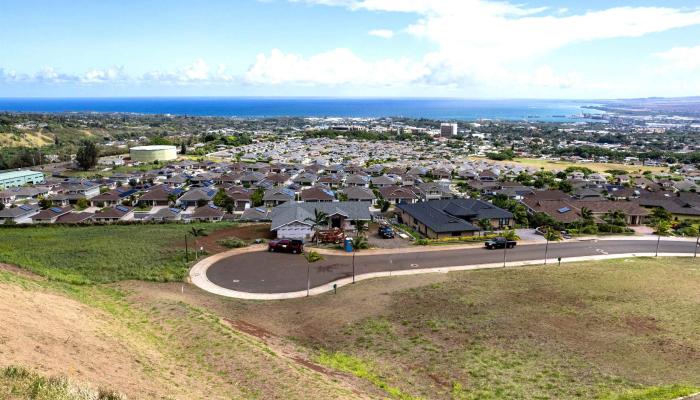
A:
(359, 243)
(586, 215)
(311, 257)
(551, 235)
(616, 217)
(361, 227)
(663, 228)
(510, 234)
(320, 219)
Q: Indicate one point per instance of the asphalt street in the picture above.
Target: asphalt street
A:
(263, 272)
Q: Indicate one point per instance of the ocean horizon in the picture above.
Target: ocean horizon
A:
(269, 107)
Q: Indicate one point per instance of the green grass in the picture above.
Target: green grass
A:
(655, 393)
(98, 254)
(20, 383)
(615, 330)
(361, 369)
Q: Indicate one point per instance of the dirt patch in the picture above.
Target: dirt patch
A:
(20, 271)
(58, 336)
(642, 325)
(250, 329)
(247, 232)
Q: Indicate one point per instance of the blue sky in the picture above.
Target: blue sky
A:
(392, 48)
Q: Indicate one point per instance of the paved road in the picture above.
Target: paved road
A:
(262, 272)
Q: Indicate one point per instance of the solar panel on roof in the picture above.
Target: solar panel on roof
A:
(25, 208)
(564, 210)
(213, 206)
(122, 208)
(56, 209)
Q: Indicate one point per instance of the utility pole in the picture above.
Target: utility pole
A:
(697, 243)
(546, 247)
(505, 249)
(658, 242)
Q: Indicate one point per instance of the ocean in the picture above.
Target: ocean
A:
(259, 107)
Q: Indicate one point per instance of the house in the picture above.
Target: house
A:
(455, 217)
(357, 180)
(488, 176)
(19, 215)
(51, 215)
(680, 205)
(75, 218)
(434, 191)
(161, 195)
(332, 181)
(277, 196)
(166, 215)
(357, 193)
(293, 220)
(317, 194)
(114, 214)
(382, 181)
(240, 196)
(565, 209)
(197, 195)
(256, 214)
(399, 194)
(207, 213)
(305, 179)
(113, 197)
(75, 190)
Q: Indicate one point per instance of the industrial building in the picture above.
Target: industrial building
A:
(10, 179)
(149, 154)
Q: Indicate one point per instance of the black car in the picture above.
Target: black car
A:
(385, 232)
(499, 243)
(286, 246)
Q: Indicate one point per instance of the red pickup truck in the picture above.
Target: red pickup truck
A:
(286, 246)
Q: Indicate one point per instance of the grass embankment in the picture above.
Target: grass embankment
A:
(98, 254)
(102, 336)
(623, 329)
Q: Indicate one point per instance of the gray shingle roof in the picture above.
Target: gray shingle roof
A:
(290, 212)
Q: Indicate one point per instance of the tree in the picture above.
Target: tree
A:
(311, 257)
(361, 227)
(183, 148)
(256, 198)
(320, 218)
(586, 215)
(202, 202)
(359, 243)
(383, 205)
(660, 214)
(87, 155)
(616, 218)
(81, 204)
(510, 234)
(44, 203)
(552, 235)
(485, 224)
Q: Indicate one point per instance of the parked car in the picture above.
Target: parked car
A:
(286, 246)
(541, 230)
(499, 243)
(385, 232)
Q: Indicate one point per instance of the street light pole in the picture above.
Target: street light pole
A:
(697, 243)
(505, 249)
(658, 242)
(308, 278)
(353, 264)
(546, 248)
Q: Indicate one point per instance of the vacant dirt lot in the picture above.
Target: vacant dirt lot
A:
(247, 232)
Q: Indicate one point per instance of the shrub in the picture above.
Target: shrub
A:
(232, 243)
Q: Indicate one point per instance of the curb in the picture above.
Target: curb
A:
(198, 275)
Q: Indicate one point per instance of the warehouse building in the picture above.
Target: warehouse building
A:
(149, 154)
(10, 179)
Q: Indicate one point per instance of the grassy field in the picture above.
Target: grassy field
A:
(96, 339)
(561, 165)
(625, 329)
(101, 253)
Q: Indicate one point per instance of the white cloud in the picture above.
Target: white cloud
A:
(112, 74)
(482, 40)
(335, 67)
(681, 58)
(382, 33)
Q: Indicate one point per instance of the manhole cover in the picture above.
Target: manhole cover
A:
(414, 265)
